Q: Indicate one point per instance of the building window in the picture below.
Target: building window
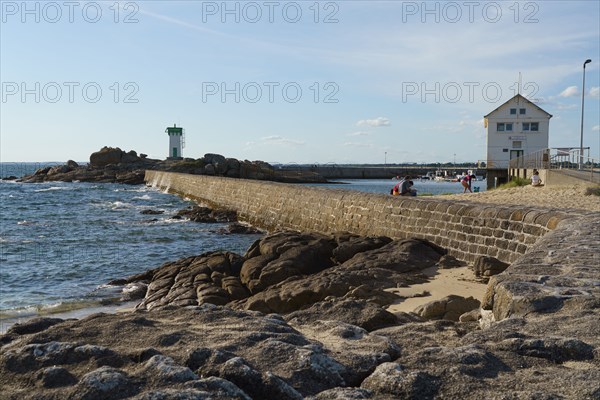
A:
(505, 150)
(509, 127)
(517, 144)
(535, 126)
(526, 126)
(504, 127)
(521, 111)
(500, 127)
(513, 111)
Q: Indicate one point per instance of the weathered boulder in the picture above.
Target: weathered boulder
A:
(207, 215)
(106, 156)
(361, 313)
(450, 307)
(485, 267)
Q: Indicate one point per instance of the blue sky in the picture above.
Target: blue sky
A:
(290, 82)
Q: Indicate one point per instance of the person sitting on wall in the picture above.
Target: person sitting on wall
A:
(535, 178)
(397, 190)
(404, 188)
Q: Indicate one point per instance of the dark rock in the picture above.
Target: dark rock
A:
(106, 156)
(33, 326)
(361, 313)
(350, 245)
(207, 215)
(53, 377)
(72, 164)
(237, 228)
(448, 261)
(9, 178)
(152, 212)
(485, 267)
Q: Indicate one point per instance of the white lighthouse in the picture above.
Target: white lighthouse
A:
(176, 142)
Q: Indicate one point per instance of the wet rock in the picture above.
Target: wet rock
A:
(207, 215)
(237, 228)
(152, 212)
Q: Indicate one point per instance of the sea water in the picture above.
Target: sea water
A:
(61, 243)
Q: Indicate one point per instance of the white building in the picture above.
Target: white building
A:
(516, 128)
(176, 141)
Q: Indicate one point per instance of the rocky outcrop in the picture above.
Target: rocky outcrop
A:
(289, 271)
(216, 352)
(206, 215)
(111, 164)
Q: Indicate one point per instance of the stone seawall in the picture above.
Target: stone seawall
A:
(465, 230)
(552, 252)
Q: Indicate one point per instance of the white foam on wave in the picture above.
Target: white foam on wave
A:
(25, 222)
(144, 197)
(54, 188)
(119, 205)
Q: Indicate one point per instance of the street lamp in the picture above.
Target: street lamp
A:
(582, 102)
(385, 159)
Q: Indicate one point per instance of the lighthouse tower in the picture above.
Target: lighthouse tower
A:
(176, 142)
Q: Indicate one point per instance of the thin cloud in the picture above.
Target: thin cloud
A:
(276, 139)
(356, 144)
(596, 128)
(360, 133)
(375, 123)
(571, 91)
(594, 92)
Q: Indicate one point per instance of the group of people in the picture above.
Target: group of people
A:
(404, 188)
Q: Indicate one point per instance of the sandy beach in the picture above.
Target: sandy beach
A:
(461, 281)
(556, 197)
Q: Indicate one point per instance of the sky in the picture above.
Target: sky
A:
(290, 82)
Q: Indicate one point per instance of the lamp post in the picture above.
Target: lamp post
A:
(582, 102)
(385, 159)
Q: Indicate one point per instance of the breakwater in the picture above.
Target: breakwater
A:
(551, 251)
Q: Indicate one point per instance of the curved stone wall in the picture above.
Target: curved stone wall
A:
(519, 236)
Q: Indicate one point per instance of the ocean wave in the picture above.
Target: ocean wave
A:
(25, 222)
(144, 197)
(119, 205)
(51, 188)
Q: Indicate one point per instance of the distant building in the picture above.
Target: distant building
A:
(516, 128)
(176, 142)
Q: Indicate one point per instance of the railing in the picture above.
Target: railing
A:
(558, 158)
